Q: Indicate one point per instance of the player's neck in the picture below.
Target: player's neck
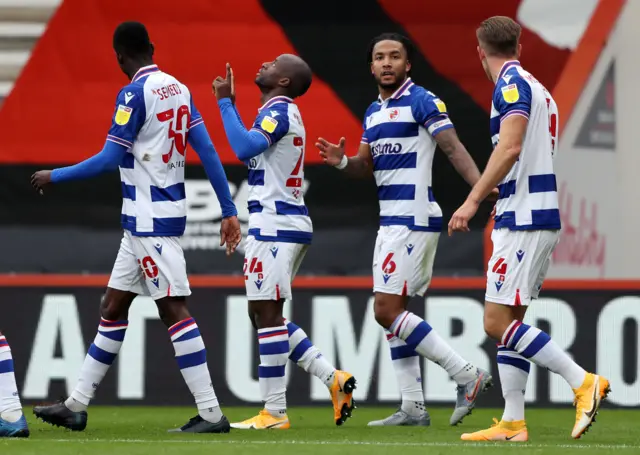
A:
(387, 92)
(496, 64)
(135, 66)
(266, 96)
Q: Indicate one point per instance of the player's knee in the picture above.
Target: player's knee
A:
(267, 315)
(111, 310)
(495, 327)
(252, 318)
(386, 311)
(172, 310)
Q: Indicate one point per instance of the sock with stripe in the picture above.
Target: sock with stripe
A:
(191, 356)
(535, 345)
(102, 352)
(406, 363)
(10, 406)
(308, 357)
(419, 336)
(274, 354)
(514, 372)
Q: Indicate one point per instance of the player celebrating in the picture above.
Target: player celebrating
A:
(401, 131)
(280, 232)
(154, 119)
(12, 421)
(524, 119)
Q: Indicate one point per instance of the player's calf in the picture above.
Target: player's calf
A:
(191, 356)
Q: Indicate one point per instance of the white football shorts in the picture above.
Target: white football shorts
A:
(403, 260)
(152, 266)
(270, 267)
(519, 265)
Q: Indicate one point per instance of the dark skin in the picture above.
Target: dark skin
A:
(390, 67)
(116, 303)
(284, 76)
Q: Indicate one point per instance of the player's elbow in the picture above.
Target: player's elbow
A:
(513, 151)
(248, 149)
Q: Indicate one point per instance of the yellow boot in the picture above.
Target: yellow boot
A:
(589, 395)
(263, 421)
(342, 396)
(515, 431)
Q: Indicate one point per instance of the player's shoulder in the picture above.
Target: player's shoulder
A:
(424, 100)
(131, 94)
(418, 91)
(513, 85)
(514, 75)
(279, 109)
(372, 109)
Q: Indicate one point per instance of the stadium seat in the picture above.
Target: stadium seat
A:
(22, 22)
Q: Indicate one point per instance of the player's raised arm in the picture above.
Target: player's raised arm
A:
(245, 143)
(359, 166)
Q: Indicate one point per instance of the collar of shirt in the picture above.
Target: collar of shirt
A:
(506, 66)
(402, 90)
(275, 100)
(145, 71)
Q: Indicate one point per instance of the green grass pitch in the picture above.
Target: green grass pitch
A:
(142, 430)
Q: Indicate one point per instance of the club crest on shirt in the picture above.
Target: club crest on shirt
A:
(440, 105)
(510, 93)
(393, 114)
(123, 114)
(269, 124)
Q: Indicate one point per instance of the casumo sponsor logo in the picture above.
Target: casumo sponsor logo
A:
(386, 149)
(204, 214)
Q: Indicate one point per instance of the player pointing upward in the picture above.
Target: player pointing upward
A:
(401, 131)
(154, 118)
(524, 118)
(280, 232)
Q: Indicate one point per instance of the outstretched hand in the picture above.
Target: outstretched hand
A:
(330, 153)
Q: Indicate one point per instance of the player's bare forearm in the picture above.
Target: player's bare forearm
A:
(361, 165)
(502, 159)
(458, 155)
(358, 168)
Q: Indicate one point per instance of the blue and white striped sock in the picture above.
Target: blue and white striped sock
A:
(406, 363)
(514, 372)
(535, 345)
(274, 354)
(425, 341)
(191, 356)
(102, 352)
(307, 356)
(10, 407)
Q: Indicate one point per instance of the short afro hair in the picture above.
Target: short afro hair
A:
(132, 39)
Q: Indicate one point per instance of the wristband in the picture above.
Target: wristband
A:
(343, 163)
